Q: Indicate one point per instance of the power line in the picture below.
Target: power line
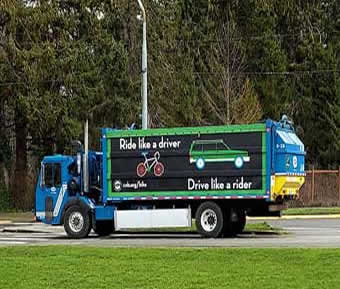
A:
(297, 72)
(323, 34)
(255, 73)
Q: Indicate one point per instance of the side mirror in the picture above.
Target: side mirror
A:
(73, 187)
(77, 144)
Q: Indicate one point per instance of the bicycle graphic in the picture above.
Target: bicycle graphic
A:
(149, 163)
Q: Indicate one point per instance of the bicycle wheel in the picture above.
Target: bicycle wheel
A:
(158, 169)
(141, 170)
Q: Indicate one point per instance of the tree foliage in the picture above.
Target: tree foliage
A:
(209, 62)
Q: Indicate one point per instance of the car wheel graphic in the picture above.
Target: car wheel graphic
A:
(239, 162)
(200, 164)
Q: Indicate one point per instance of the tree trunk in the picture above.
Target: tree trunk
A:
(23, 198)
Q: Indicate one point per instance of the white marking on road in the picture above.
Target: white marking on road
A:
(12, 243)
(22, 239)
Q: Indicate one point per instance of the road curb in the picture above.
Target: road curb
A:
(18, 230)
(6, 222)
(29, 228)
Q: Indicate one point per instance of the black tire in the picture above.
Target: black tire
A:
(240, 224)
(234, 221)
(104, 228)
(228, 230)
(209, 220)
(77, 222)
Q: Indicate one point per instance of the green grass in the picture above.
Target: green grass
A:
(312, 211)
(76, 267)
(260, 227)
(5, 198)
(17, 216)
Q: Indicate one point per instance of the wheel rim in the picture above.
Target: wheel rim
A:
(141, 170)
(208, 220)
(239, 162)
(76, 222)
(158, 169)
(200, 164)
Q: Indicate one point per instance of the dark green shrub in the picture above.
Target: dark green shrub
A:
(5, 199)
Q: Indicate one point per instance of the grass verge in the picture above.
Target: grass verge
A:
(312, 211)
(17, 216)
(76, 267)
(261, 227)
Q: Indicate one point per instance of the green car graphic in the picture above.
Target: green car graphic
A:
(202, 151)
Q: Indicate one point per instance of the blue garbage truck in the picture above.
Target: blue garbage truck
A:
(166, 177)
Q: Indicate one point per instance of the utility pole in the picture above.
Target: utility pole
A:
(144, 72)
(228, 68)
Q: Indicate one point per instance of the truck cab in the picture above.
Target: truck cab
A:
(60, 184)
(55, 175)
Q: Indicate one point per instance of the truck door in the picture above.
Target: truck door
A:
(51, 187)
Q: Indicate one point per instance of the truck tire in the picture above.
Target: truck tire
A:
(234, 222)
(209, 220)
(104, 228)
(228, 230)
(77, 222)
(240, 224)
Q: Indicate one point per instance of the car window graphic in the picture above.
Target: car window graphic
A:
(205, 151)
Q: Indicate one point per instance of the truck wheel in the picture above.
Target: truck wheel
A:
(77, 222)
(104, 228)
(240, 224)
(209, 220)
(228, 230)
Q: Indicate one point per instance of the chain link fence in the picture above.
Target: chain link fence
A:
(321, 189)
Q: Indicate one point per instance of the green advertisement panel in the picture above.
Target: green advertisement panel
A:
(187, 163)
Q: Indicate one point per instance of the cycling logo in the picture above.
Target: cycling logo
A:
(149, 164)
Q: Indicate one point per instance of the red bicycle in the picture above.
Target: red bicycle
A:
(149, 164)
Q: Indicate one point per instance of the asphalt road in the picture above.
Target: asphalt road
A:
(301, 233)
